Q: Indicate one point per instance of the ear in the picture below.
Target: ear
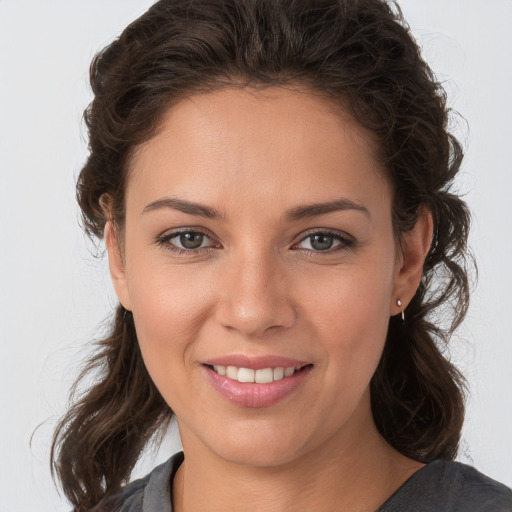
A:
(414, 249)
(116, 265)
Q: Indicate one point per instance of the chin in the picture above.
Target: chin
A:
(259, 445)
(258, 455)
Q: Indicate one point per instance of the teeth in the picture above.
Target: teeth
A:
(245, 375)
(288, 372)
(221, 370)
(278, 373)
(232, 372)
(263, 376)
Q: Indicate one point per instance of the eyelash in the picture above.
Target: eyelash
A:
(346, 242)
(164, 241)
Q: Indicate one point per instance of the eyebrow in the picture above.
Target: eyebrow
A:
(181, 205)
(297, 213)
(315, 209)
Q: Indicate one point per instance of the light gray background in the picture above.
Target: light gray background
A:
(54, 294)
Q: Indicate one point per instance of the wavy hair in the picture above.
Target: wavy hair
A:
(359, 54)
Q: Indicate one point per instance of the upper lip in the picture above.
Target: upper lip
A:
(256, 362)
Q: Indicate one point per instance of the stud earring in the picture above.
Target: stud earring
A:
(399, 304)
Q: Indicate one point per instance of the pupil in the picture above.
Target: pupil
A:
(191, 240)
(321, 242)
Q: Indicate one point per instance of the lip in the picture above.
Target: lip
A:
(253, 395)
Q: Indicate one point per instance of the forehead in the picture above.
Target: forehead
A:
(291, 145)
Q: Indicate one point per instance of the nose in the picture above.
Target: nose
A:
(255, 296)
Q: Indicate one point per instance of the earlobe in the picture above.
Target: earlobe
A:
(415, 246)
(116, 265)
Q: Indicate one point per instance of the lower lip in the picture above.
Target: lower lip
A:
(248, 394)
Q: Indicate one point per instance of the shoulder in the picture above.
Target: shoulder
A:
(153, 493)
(451, 487)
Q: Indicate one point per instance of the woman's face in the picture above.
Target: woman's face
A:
(258, 236)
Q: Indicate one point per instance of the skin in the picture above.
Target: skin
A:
(257, 286)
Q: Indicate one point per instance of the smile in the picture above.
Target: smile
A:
(262, 376)
(269, 381)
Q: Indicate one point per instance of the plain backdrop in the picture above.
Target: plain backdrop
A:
(54, 293)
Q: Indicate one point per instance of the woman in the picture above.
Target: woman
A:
(272, 179)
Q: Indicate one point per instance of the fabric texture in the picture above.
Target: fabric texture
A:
(445, 486)
(441, 486)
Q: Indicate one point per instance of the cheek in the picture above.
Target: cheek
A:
(349, 315)
(169, 310)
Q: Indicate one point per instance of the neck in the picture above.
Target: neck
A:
(355, 472)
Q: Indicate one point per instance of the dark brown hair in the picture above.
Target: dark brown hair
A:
(359, 54)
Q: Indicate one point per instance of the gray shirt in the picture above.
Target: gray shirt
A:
(441, 486)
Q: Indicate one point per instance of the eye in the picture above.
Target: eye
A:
(323, 241)
(188, 241)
